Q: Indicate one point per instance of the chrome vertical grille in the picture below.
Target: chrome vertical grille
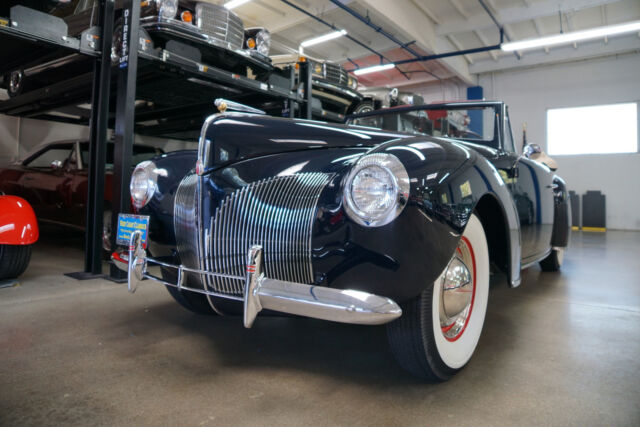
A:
(277, 213)
(220, 24)
(185, 222)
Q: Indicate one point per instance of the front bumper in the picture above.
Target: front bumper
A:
(261, 292)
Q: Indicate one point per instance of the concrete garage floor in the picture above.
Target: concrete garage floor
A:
(561, 349)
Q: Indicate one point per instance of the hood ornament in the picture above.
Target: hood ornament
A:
(224, 104)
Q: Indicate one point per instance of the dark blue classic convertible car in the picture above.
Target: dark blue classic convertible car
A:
(393, 219)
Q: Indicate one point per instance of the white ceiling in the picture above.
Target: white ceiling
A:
(437, 26)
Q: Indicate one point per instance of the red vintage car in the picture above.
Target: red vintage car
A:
(18, 231)
(54, 179)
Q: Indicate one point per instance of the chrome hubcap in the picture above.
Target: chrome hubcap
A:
(457, 292)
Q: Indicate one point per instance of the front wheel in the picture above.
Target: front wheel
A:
(13, 260)
(192, 301)
(440, 328)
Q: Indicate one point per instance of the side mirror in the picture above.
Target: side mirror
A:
(531, 149)
(56, 164)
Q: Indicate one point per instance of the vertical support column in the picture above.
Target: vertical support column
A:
(305, 81)
(125, 118)
(97, 145)
(291, 104)
(475, 116)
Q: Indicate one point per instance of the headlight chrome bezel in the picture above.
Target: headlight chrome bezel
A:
(263, 42)
(144, 171)
(352, 82)
(165, 8)
(391, 165)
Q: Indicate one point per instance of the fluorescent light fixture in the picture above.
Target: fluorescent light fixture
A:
(235, 3)
(573, 36)
(323, 38)
(361, 71)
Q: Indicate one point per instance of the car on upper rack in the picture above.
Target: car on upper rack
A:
(53, 178)
(378, 98)
(199, 31)
(348, 223)
(334, 91)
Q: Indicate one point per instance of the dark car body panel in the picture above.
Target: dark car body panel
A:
(448, 180)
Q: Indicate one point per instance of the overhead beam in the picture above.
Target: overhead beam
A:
(485, 42)
(513, 15)
(593, 49)
(458, 46)
(295, 18)
(405, 16)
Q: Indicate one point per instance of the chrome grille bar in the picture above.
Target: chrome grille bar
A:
(219, 23)
(276, 213)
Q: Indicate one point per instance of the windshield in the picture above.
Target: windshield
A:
(473, 124)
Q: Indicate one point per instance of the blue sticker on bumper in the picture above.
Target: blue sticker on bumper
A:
(127, 224)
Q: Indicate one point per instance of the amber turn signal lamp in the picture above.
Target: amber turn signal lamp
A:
(251, 43)
(186, 16)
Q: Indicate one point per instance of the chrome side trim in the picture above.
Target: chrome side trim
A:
(262, 292)
(535, 259)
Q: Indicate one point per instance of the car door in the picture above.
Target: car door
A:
(43, 182)
(530, 185)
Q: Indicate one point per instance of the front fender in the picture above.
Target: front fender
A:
(18, 224)
(449, 180)
(400, 259)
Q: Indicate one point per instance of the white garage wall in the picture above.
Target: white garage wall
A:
(530, 92)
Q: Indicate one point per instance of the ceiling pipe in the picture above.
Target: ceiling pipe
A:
(356, 41)
(498, 24)
(367, 21)
(449, 54)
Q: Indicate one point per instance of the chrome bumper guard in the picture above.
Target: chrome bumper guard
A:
(261, 292)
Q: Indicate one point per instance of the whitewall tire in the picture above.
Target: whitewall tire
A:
(439, 329)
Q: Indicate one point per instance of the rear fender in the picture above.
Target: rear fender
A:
(561, 214)
(18, 224)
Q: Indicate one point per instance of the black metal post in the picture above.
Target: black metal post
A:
(305, 81)
(125, 118)
(97, 147)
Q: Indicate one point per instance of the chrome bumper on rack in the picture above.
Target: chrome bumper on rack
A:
(261, 292)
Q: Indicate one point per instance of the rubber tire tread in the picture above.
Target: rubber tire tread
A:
(192, 301)
(14, 260)
(412, 342)
(551, 263)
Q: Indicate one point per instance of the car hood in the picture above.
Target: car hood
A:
(231, 137)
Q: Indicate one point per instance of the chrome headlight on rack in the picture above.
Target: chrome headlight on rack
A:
(352, 82)
(263, 42)
(376, 190)
(143, 183)
(167, 9)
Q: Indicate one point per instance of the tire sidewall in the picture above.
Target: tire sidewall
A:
(455, 354)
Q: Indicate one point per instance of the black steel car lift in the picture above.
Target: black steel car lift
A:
(158, 92)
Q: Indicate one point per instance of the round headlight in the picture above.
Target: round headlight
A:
(143, 183)
(168, 8)
(376, 190)
(352, 82)
(263, 42)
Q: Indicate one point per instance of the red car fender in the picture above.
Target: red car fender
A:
(18, 224)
